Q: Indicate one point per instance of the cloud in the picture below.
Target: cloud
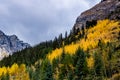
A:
(34, 21)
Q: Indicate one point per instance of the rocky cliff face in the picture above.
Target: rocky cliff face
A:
(106, 9)
(10, 44)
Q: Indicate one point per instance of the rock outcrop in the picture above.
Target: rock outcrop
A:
(10, 44)
(106, 9)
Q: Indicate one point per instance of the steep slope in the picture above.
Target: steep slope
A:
(106, 31)
(10, 44)
(94, 56)
(101, 48)
(92, 53)
(106, 9)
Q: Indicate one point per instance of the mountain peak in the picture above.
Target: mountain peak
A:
(10, 44)
(13, 37)
(106, 9)
(1, 33)
(108, 0)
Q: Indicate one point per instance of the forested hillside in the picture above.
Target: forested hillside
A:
(91, 53)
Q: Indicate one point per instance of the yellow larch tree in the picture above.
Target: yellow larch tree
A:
(105, 30)
(15, 72)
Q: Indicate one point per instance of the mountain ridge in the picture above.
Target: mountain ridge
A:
(10, 44)
(92, 53)
(106, 9)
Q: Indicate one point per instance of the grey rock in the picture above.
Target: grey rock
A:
(10, 44)
(106, 9)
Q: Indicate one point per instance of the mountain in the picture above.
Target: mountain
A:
(89, 53)
(10, 44)
(106, 9)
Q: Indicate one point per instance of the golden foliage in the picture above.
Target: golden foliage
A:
(105, 30)
(68, 49)
(90, 62)
(15, 72)
(3, 71)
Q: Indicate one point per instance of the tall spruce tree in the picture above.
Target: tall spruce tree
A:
(46, 70)
(81, 65)
(99, 66)
(62, 70)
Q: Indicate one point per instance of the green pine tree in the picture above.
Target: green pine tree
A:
(99, 66)
(46, 70)
(81, 69)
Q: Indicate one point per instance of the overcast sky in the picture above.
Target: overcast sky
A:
(34, 21)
